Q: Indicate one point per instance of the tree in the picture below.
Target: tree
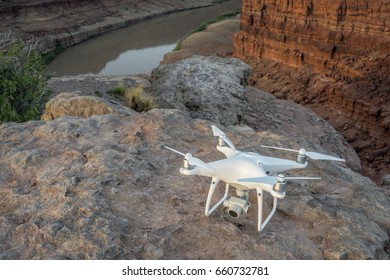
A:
(23, 79)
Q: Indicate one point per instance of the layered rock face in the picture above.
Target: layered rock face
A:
(320, 33)
(330, 55)
(68, 22)
(100, 185)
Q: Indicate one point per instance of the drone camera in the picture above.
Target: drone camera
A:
(235, 206)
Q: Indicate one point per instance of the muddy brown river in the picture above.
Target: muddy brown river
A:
(137, 48)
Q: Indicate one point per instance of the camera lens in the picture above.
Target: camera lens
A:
(233, 214)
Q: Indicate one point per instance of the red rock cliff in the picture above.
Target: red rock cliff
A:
(332, 55)
(320, 33)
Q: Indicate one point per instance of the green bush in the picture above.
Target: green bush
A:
(118, 91)
(23, 80)
(52, 54)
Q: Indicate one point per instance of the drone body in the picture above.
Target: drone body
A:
(246, 171)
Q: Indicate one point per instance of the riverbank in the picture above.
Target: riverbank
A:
(216, 40)
(66, 23)
(137, 48)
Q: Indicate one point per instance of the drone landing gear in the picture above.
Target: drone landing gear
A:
(213, 186)
(260, 224)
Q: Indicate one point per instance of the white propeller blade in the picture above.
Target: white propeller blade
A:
(318, 156)
(279, 148)
(197, 162)
(312, 155)
(269, 180)
(272, 180)
(220, 133)
(302, 178)
(192, 160)
(173, 150)
(216, 131)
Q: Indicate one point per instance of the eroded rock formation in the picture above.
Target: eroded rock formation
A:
(330, 55)
(204, 86)
(102, 186)
(320, 33)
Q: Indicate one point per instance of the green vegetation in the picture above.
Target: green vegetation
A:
(51, 55)
(204, 25)
(219, 1)
(117, 92)
(133, 98)
(23, 79)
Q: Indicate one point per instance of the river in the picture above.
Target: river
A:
(137, 48)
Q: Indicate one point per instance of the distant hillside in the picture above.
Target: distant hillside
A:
(68, 22)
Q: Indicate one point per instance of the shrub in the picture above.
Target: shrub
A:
(118, 91)
(135, 99)
(23, 80)
(52, 54)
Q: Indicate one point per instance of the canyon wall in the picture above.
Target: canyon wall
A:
(320, 33)
(330, 55)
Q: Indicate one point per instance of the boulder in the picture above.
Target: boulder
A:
(205, 86)
(74, 104)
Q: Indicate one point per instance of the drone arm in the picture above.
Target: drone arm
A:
(260, 224)
(213, 186)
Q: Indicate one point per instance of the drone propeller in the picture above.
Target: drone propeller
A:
(173, 150)
(303, 152)
(272, 180)
(222, 135)
(192, 160)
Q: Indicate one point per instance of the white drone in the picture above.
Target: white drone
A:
(247, 171)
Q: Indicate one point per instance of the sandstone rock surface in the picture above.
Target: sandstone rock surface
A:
(102, 187)
(73, 104)
(96, 84)
(204, 86)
